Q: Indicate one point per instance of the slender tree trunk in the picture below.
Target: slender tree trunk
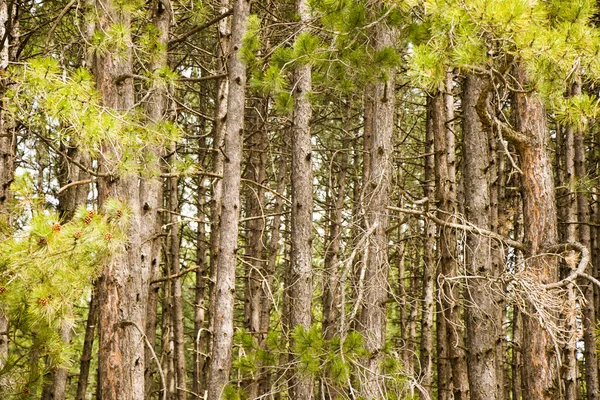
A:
(592, 387)
(270, 270)
(429, 268)
(482, 326)
(151, 189)
(332, 289)
(88, 345)
(449, 323)
(220, 361)
(7, 170)
(177, 301)
(300, 283)
(372, 319)
(122, 289)
(567, 214)
(256, 172)
(223, 50)
(200, 336)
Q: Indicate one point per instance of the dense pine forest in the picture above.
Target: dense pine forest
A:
(299, 199)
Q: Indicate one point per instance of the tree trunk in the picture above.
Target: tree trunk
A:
(177, 301)
(122, 289)
(539, 212)
(429, 268)
(7, 170)
(449, 323)
(221, 354)
(88, 345)
(332, 289)
(255, 263)
(270, 270)
(300, 283)
(592, 387)
(482, 326)
(372, 319)
(200, 336)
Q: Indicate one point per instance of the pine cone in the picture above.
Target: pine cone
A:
(56, 227)
(108, 236)
(3, 289)
(43, 301)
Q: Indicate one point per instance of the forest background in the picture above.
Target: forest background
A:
(309, 199)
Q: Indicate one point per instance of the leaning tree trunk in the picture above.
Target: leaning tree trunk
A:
(372, 319)
(482, 326)
(300, 283)
(224, 290)
(122, 288)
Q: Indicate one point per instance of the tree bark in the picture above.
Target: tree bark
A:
(429, 268)
(372, 319)
(255, 254)
(481, 311)
(88, 345)
(7, 170)
(300, 283)
(592, 387)
(449, 323)
(539, 212)
(222, 340)
(122, 288)
(332, 287)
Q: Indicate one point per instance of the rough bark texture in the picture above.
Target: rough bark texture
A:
(222, 340)
(200, 334)
(372, 319)
(174, 259)
(122, 288)
(429, 267)
(270, 270)
(481, 311)
(255, 254)
(7, 168)
(592, 387)
(300, 283)
(332, 286)
(539, 212)
(450, 336)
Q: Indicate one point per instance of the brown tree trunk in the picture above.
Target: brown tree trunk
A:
(332, 289)
(592, 387)
(483, 327)
(372, 319)
(539, 212)
(270, 270)
(429, 268)
(222, 340)
(7, 169)
(88, 345)
(122, 288)
(449, 323)
(300, 283)
(200, 336)
(177, 301)
(255, 263)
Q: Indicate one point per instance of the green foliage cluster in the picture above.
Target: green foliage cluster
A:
(554, 41)
(46, 270)
(66, 108)
(335, 362)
